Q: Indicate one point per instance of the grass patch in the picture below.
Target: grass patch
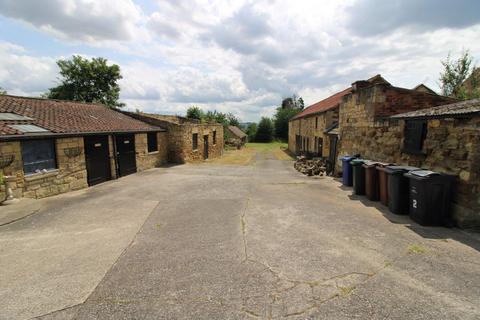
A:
(247, 155)
(415, 249)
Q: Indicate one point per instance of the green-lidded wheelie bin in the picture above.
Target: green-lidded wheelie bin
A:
(398, 192)
(358, 176)
(430, 197)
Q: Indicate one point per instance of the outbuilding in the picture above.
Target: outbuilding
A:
(53, 146)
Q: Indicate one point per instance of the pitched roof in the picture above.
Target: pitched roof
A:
(458, 109)
(236, 131)
(423, 88)
(64, 118)
(324, 105)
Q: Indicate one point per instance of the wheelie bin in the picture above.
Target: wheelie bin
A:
(383, 183)
(371, 180)
(347, 178)
(430, 197)
(398, 192)
(358, 176)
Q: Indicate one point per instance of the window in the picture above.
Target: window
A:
(214, 137)
(195, 141)
(152, 141)
(316, 122)
(415, 133)
(38, 155)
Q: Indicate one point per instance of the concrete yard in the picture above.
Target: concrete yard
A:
(215, 241)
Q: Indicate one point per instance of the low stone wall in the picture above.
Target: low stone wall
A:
(146, 160)
(451, 146)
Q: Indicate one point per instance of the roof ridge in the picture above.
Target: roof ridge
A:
(56, 100)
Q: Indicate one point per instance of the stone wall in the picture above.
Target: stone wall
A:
(146, 160)
(202, 130)
(312, 127)
(69, 175)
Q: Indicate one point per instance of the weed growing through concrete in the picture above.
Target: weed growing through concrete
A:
(415, 248)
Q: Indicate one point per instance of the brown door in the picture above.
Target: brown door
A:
(126, 157)
(97, 159)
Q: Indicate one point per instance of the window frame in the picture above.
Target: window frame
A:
(414, 135)
(195, 141)
(316, 122)
(214, 137)
(36, 145)
(152, 135)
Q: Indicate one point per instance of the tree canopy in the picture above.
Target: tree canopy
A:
(459, 79)
(264, 130)
(288, 109)
(2, 91)
(195, 113)
(88, 80)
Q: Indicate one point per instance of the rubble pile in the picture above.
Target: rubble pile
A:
(313, 167)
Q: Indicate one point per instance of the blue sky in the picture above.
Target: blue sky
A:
(234, 56)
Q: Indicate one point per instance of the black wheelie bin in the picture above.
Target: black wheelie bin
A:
(398, 193)
(430, 197)
(358, 176)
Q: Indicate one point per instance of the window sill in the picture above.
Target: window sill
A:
(153, 152)
(41, 175)
(195, 150)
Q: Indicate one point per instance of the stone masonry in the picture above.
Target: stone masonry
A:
(311, 127)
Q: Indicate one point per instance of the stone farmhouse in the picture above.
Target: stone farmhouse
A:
(235, 136)
(188, 140)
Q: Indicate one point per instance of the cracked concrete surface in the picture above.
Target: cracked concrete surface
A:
(263, 242)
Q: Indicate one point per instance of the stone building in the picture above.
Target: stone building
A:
(50, 147)
(235, 136)
(364, 114)
(308, 131)
(188, 140)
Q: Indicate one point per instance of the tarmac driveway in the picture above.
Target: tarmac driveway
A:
(232, 242)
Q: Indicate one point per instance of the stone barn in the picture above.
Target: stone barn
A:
(235, 136)
(188, 140)
(49, 147)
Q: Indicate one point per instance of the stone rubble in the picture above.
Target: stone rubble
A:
(311, 167)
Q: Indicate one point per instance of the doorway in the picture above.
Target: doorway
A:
(205, 147)
(97, 159)
(126, 157)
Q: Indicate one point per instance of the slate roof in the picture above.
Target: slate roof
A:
(236, 131)
(457, 109)
(66, 118)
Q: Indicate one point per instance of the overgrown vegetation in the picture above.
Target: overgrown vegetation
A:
(88, 80)
(265, 130)
(459, 78)
(2, 91)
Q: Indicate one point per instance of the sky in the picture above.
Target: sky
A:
(235, 56)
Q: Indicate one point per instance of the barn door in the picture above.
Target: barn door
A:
(126, 157)
(97, 159)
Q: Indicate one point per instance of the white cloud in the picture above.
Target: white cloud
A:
(244, 56)
(23, 74)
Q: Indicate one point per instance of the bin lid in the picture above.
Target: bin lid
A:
(424, 173)
(347, 158)
(400, 169)
(357, 161)
(370, 163)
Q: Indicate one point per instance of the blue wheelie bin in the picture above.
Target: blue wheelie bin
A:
(347, 176)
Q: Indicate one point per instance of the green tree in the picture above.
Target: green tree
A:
(195, 113)
(252, 132)
(88, 80)
(455, 73)
(2, 91)
(281, 118)
(264, 130)
(233, 120)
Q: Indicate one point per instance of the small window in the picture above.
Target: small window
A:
(316, 122)
(415, 134)
(152, 141)
(38, 155)
(320, 145)
(195, 141)
(214, 137)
